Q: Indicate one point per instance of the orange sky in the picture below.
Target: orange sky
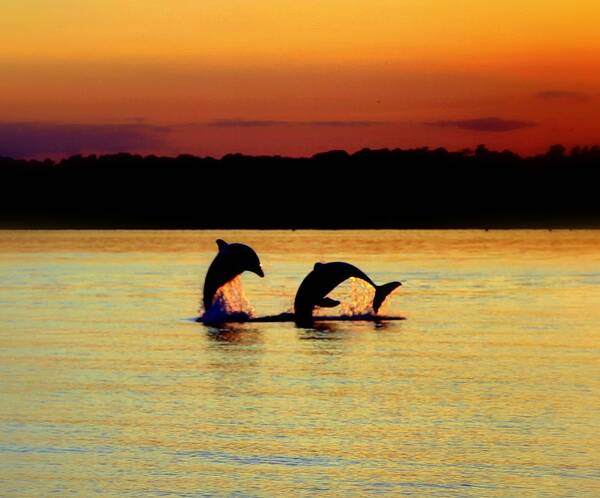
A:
(282, 76)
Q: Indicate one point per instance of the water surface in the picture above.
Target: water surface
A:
(489, 388)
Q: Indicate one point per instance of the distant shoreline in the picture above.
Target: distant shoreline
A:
(369, 189)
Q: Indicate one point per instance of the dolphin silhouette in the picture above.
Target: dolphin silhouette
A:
(322, 280)
(231, 260)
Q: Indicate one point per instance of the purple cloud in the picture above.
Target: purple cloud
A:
(563, 95)
(341, 124)
(24, 140)
(491, 124)
(246, 123)
(257, 123)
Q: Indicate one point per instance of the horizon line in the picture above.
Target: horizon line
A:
(567, 150)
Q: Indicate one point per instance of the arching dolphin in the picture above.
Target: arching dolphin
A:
(322, 280)
(231, 260)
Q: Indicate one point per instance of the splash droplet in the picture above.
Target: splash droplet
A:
(356, 298)
(230, 302)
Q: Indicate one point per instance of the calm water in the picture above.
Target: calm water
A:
(491, 387)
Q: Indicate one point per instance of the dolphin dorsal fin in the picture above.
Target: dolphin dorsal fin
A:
(221, 244)
(317, 266)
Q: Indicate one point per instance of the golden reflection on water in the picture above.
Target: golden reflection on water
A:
(489, 388)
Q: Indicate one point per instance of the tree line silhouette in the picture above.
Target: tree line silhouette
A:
(385, 188)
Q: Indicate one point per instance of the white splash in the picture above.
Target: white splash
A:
(356, 298)
(230, 301)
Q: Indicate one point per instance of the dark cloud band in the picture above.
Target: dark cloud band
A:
(257, 123)
(563, 95)
(34, 139)
(491, 124)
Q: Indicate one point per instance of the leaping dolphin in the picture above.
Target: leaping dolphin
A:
(231, 260)
(322, 280)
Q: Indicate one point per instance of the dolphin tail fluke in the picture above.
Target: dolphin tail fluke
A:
(381, 292)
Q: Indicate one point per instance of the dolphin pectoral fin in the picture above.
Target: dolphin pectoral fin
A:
(327, 302)
(221, 244)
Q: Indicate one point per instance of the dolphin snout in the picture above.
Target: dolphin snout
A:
(259, 271)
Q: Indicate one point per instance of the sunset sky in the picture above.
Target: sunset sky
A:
(295, 77)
